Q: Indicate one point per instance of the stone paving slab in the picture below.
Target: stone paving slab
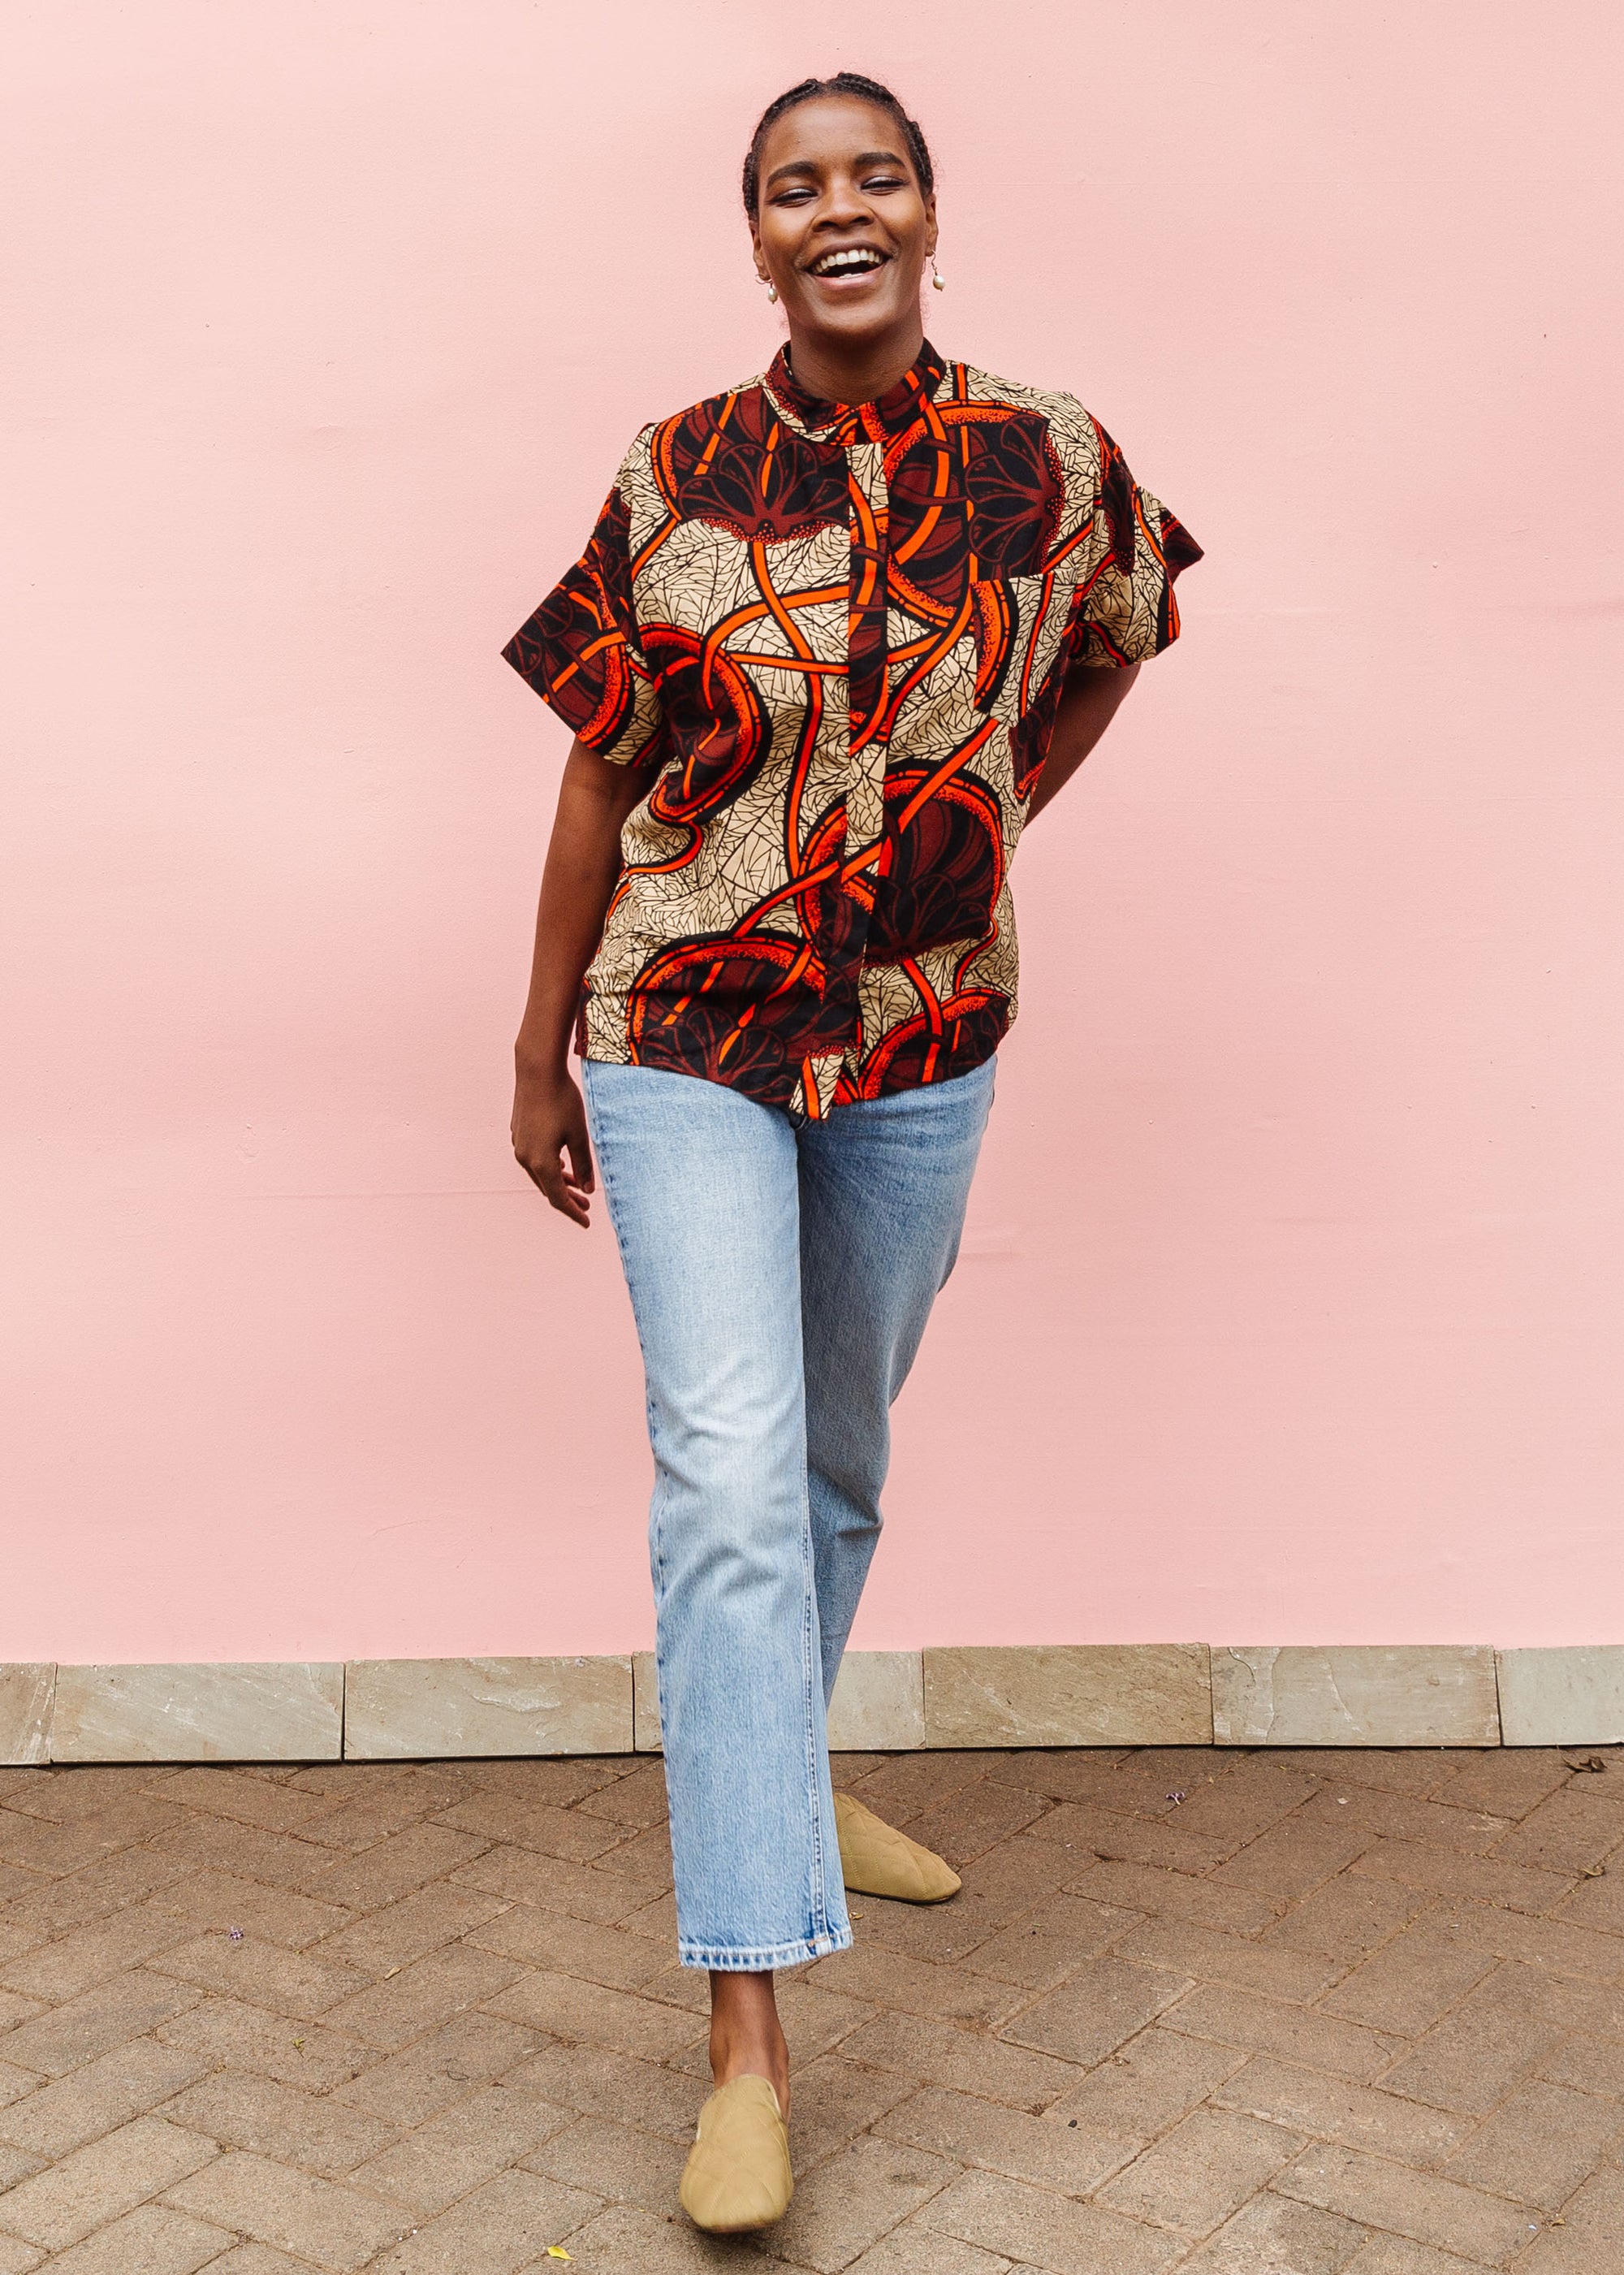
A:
(1196, 2012)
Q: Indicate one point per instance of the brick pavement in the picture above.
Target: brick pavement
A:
(1251, 2012)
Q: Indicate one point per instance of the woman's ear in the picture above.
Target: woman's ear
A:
(930, 226)
(762, 270)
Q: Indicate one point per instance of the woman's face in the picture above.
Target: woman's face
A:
(842, 227)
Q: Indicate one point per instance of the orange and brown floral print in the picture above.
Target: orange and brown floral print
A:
(836, 635)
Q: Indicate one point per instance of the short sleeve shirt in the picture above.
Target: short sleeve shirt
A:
(837, 635)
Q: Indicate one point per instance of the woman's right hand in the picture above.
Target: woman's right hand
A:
(549, 1130)
(583, 868)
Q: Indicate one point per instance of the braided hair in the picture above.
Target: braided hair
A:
(808, 90)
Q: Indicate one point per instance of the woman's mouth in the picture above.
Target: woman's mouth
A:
(852, 260)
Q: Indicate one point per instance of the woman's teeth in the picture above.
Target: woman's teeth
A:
(840, 264)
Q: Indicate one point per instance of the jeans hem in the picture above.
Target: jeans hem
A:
(730, 1960)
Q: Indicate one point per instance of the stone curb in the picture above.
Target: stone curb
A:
(1002, 1694)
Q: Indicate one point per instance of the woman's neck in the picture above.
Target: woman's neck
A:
(853, 371)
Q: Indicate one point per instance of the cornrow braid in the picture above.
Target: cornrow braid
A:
(808, 90)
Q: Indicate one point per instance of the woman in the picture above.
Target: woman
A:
(835, 638)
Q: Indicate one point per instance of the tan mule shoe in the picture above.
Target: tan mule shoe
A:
(738, 2175)
(877, 1860)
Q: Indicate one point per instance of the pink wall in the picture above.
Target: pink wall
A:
(1291, 1306)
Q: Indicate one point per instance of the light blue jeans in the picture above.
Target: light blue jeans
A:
(780, 1278)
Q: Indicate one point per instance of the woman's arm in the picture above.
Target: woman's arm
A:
(1087, 706)
(583, 868)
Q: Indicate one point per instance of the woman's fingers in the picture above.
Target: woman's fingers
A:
(560, 1187)
(550, 1140)
(547, 1168)
(579, 1149)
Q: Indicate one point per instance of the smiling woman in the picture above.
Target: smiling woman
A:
(840, 632)
(841, 235)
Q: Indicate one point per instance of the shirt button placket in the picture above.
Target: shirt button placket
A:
(866, 655)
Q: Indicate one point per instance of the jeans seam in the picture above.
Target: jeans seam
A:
(818, 1891)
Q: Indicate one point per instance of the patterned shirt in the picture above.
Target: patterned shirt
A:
(840, 631)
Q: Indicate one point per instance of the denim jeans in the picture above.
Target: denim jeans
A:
(781, 1277)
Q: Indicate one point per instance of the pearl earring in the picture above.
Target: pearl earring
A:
(772, 289)
(936, 276)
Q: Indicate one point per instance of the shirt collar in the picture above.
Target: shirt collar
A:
(888, 415)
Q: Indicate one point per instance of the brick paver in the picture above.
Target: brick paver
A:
(1258, 2012)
